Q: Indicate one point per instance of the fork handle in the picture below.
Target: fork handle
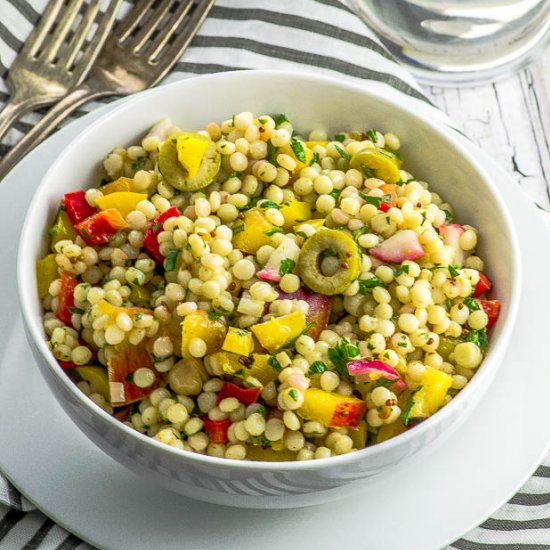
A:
(59, 112)
(14, 109)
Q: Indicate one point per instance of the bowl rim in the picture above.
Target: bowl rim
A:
(26, 267)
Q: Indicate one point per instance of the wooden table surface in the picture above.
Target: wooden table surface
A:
(510, 120)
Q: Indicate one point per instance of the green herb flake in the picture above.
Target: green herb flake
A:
(287, 265)
(327, 253)
(315, 159)
(372, 135)
(274, 364)
(293, 393)
(129, 377)
(301, 234)
(76, 310)
(238, 229)
(448, 217)
(196, 411)
(393, 152)
(344, 154)
(367, 172)
(340, 137)
(401, 270)
(262, 120)
(298, 149)
(448, 304)
(139, 164)
(335, 193)
(453, 271)
(360, 231)
(408, 407)
(171, 260)
(471, 304)
(279, 119)
(272, 153)
(317, 367)
(270, 204)
(376, 201)
(272, 231)
(478, 337)
(341, 354)
(366, 285)
(214, 315)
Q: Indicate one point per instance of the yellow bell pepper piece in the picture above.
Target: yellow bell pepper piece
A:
(199, 325)
(295, 212)
(250, 233)
(105, 308)
(258, 366)
(277, 332)
(123, 201)
(46, 274)
(384, 164)
(387, 431)
(191, 151)
(238, 341)
(268, 454)
(97, 378)
(119, 185)
(359, 435)
(140, 295)
(312, 144)
(332, 409)
(430, 397)
(62, 229)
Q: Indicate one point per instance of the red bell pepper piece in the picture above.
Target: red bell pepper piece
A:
(244, 395)
(483, 284)
(77, 207)
(122, 361)
(150, 241)
(66, 297)
(492, 309)
(100, 227)
(216, 429)
(388, 189)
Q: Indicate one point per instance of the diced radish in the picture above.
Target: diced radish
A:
(288, 249)
(450, 232)
(401, 246)
(319, 309)
(375, 370)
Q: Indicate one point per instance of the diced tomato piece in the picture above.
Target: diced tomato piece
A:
(246, 396)
(216, 429)
(122, 361)
(66, 297)
(66, 365)
(100, 227)
(122, 413)
(150, 241)
(492, 309)
(388, 189)
(77, 207)
(483, 284)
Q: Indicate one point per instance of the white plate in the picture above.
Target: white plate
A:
(424, 504)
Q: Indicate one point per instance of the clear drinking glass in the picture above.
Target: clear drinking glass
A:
(459, 41)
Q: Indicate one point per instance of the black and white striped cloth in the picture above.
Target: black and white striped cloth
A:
(303, 35)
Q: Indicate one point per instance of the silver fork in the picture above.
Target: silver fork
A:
(139, 52)
(54, 58)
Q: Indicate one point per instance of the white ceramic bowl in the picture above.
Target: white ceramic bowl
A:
(431, 153)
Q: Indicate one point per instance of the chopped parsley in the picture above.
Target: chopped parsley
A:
(270, 204)
(360, 231)
(139, 164)
(401, 270)
(367, 172)
(366, 285)
(279, 119)
(286, 266)
(171, 260)
(393, 152)
(448, 303)
(471, 304)
(237, 229)
(408, 407)
(214, 315)
(340, 137)
(272, 231)
(272, 153)
(327, 253)
(376, 201)
(274, 364)
(293, 393)
(342, 153)
(372, 134)
(76, 310)
(298, 149)
(453, 271)
(315, 159)
(317, 367)
(262, 120)
(448, 216)
(341, 354)
(335, 193)
(478, 337)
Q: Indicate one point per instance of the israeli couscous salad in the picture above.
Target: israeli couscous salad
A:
(246, 293)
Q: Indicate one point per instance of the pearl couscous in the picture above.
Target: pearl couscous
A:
(245, 293)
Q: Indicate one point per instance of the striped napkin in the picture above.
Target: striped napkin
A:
(302, 35)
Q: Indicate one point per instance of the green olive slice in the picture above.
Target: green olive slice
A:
(329, 243)
(176, 175)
